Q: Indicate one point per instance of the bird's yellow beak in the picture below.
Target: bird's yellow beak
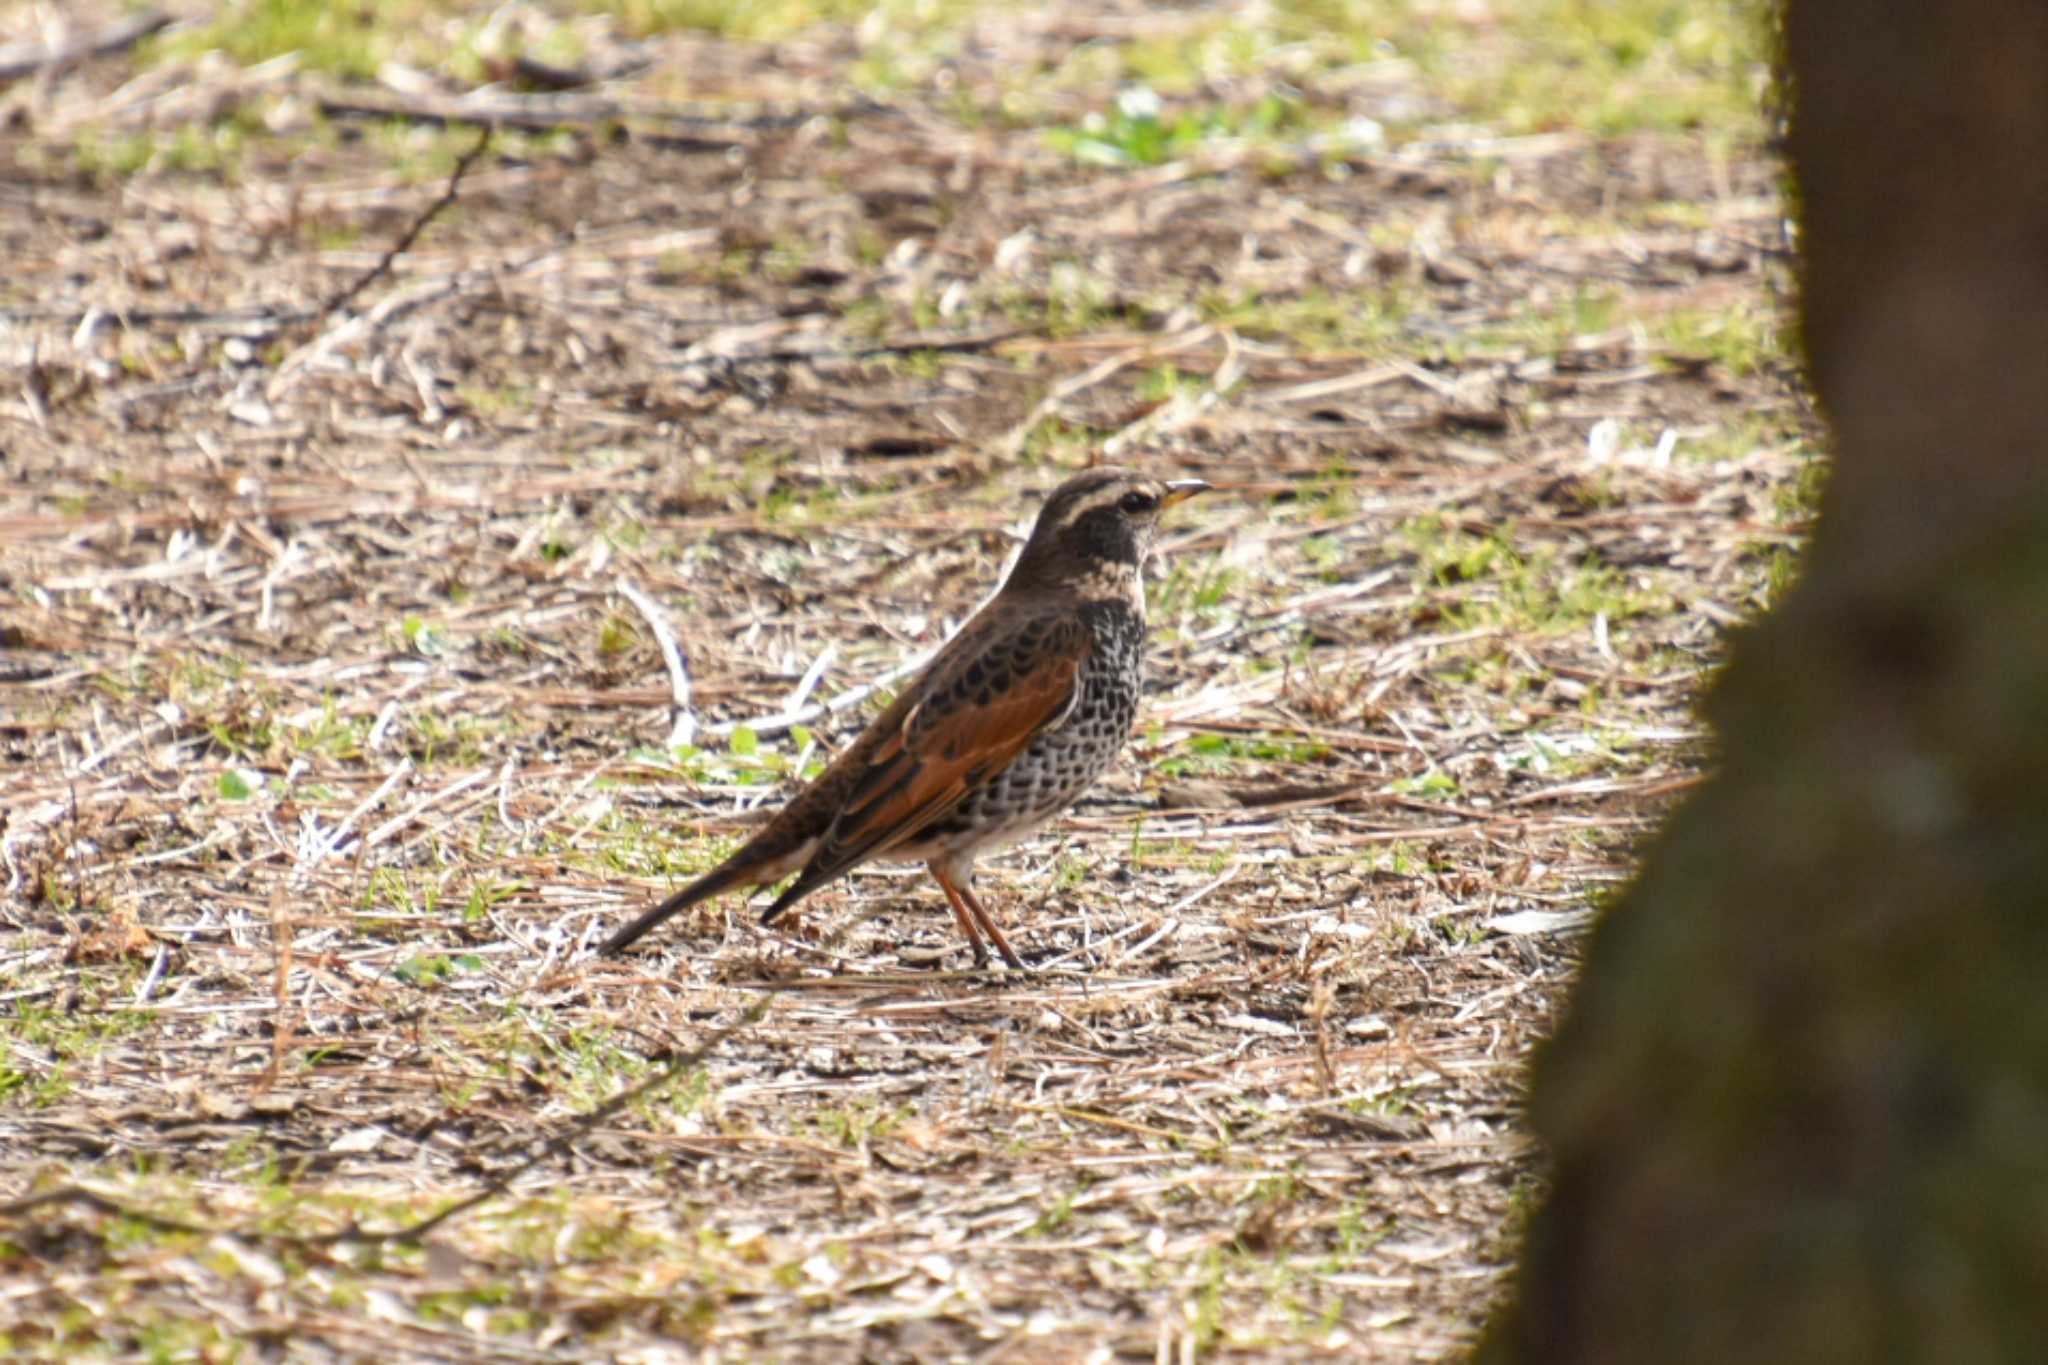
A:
(1180, 490)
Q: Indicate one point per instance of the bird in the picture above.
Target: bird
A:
(1010, 721)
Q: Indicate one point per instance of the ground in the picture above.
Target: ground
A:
(354, 468)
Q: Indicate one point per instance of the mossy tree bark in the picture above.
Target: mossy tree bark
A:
(1799, 1107)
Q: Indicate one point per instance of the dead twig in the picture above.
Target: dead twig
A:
(682, 720)
(27, 59)
(412, 231)
(551, 112)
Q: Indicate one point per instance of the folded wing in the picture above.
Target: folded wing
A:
(978, 712)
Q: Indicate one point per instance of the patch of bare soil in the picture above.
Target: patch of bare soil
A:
(333, 739)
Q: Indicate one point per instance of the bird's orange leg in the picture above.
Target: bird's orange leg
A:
(960, 914)
(989, 927)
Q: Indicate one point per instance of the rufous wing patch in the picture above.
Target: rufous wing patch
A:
(976, 716)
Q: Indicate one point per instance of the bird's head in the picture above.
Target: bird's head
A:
(1097, 525)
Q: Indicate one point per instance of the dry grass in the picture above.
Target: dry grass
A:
(333, 736)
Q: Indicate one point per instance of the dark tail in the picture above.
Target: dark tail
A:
(718, 879)
(798, 889)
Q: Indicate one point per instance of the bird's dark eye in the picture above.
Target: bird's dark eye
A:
(1135, 502)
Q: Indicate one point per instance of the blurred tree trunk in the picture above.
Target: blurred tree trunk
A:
(1799, 1108)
